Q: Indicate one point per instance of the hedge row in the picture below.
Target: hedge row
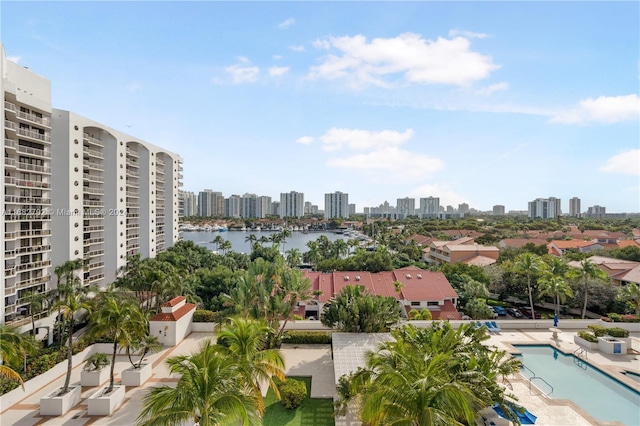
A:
(307, 337)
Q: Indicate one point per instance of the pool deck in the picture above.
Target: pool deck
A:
(316, 361)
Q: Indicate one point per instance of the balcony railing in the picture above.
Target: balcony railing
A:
(10, 125)
(94, 191)
(22, 182)
(34, 135)
(45, 121)
(132, 173)
(14, 199)
(92, 178)
(92, 139)
(33, 281)
(93, 228)
(94, 203)
(10, 106)
(92, 241)
(26, 166)
(92, 164)
(93, 152)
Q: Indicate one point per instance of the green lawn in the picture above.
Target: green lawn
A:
(314, 411)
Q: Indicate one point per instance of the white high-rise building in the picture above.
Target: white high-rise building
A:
(292, 204)
(574, 207)
(429, 208)
(121, 194)
(205, 203)
(25, 237)
(249, 206)
(263, 208)
(336, 205)
(232, 206)
(189, 204)
(405, 207)
(544, 208)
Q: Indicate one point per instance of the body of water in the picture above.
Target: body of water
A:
(237, 239)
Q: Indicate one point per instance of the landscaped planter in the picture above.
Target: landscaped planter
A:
(54, 405)
(612, 345)
(584, 343)
(136, 376)
(94, 378)
(99, 404)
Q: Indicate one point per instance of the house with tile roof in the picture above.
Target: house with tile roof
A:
(620, 271)
(173, 324)
(559, 247)
(420, 289)
(462, 250)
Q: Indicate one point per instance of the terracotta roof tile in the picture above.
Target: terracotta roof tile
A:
(174, 301)
(176, 315)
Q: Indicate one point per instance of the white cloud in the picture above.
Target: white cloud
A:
(286, 23)
(359, 140)
(395, 163)
(407, 57)
(242, 74)
(468, 34)
(15, 59)
(305, 140)
(492, 88)
(605, 109)
(276, 57)
(277, 71)
(625, 163)
(298, 48)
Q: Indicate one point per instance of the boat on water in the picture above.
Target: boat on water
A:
(223, 228)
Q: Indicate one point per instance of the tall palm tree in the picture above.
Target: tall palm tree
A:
(244, 341)
(209, 392)
(555, 287)
(528, 264)
(226, 246)
(70, 306)
(589, 270)
(36, 305)
(120, 318)
(630, 292)
(313, 255)
(68, 282)
(293, 257)
(13, 348)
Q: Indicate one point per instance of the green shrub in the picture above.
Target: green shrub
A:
(615, 317)
(598, 330)
(292, 393)
(307, 337)
(96, 362)
(617, 332)
(203, 315)
(588, 336)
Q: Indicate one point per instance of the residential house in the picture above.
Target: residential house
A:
(462, 250)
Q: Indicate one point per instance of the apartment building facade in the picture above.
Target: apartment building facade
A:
(114, 195)
(292, 204)
(544, 208)
(26, 203)
(429, 208)
(336, 205)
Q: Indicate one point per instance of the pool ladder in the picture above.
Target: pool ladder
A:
(534, 377)
(581, 353)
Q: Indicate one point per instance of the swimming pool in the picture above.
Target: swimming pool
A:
(597, 393)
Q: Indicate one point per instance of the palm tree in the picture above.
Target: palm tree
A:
(142, 347)
(244, 341)
(225, 246)
(589, 270)
(528, 264)
(398, 286)
(555, 287)
(70, 306)
(121, 319)
(36, 305)
(293, 257)
(13, 348)
(68, 281)
(209, 392)
(313, 255)
(217, 241)
(630, 292)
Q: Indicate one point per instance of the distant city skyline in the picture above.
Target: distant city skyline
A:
(478, 103)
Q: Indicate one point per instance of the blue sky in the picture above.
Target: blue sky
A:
(478, 102)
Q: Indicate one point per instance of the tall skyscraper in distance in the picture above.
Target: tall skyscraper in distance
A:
(463, 209)
(189, 203)
(336, 205)
(291, 204)
(596, 212)
(405, 207)
(232, 206)
(205, 203)
(498, 210)
(544, 208)
(574, 207)
(249, 206)
(429, 208)
(263, 206)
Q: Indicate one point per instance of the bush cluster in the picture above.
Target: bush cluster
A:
(292, 393)
(617, 332)
(203, 315)
(598, 330)
(623, 317)
(307, 337)
(588, 336)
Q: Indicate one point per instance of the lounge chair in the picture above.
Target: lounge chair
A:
(490, 327)
(495, 326)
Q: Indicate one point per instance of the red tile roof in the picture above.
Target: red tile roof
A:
(175, 315)
(174, 301)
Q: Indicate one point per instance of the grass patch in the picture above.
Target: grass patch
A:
(312, 412)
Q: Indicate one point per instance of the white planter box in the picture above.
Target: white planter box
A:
(584, 343)
(53, 405)
(612, 346)
(136, 377)
(94, 378)
(98, 405)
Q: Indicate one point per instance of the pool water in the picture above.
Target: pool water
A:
(597, 393)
